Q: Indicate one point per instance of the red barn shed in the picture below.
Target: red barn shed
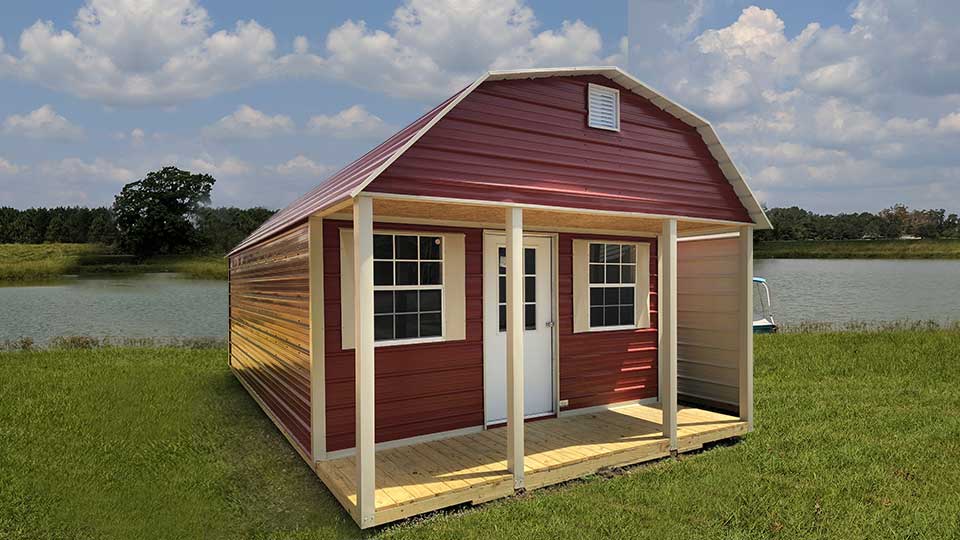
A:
(561, 245)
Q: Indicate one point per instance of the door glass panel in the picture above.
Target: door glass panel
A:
(529, 289)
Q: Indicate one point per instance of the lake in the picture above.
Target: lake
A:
(165, 305)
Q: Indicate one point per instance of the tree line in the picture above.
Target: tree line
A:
(895, 222)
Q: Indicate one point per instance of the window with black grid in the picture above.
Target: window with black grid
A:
(408, 286)
(613, 276)
(529, 288)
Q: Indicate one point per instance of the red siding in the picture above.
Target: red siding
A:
(599, 368)
(420, 389)
(269, 328)
(526, 141)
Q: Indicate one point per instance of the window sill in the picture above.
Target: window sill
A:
(615, 328)
(410, 341)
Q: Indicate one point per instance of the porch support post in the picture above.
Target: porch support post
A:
(515, 344)
(363, 324)
(318, 408)
(668, 331)
(745, 367)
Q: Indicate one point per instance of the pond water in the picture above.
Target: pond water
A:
(149, 305)
(839, 291)
(165, 305)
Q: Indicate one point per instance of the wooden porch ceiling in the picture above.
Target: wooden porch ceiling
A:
(413, 211)
(423, 477)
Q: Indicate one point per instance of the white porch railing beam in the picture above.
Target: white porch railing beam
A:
(668, 331)
(515, 344)
(365, 377)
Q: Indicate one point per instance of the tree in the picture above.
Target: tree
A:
(102, 229)
(157, 214)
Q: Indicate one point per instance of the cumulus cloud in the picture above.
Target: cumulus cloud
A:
(301, 166)
(165, 52)
(42, 123)
(9, 169)
(225, 168)
(98, 170)
(249, 123)
(351, 123)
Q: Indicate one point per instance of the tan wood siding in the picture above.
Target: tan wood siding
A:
(708, 321)
(270, 328)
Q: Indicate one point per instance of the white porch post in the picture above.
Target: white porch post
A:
(318, 408)
(746, 333)
(515, 344)
(363, 285)
(668, 331)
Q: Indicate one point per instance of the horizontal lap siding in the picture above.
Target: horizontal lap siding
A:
(420, 389)
(708, 321)
(270, 328)
(526, 141)
(600, 368)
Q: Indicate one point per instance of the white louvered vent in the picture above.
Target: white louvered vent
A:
(604, 107)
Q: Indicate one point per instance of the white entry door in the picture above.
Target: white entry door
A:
(538, 328)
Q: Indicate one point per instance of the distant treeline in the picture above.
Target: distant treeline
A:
(216, 230)
(895, 222)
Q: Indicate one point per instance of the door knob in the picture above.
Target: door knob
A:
(550, 324)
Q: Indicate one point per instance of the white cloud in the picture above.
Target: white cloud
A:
(42, 123)
(225, 168)
(574, 43)
(949, 123)
(98, 170)
(249, 123)
(351, 123)
(9, 169)
(137, 136)
(301, 166)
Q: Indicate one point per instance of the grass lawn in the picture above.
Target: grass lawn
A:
(857, 436)
(35, 262)
(858, 249)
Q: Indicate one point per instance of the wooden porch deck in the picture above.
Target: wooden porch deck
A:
(472, 468)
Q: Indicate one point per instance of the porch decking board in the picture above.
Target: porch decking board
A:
(472, 468)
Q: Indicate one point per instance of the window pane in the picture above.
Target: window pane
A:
(502, 257)
(382, 327)
(430, 248)
(626, 314)
(530, 316)
(596, 296)
(613, 273)
(383, 302)
(503, 318)
(626, 296)
(628, 273)
(406, 301)
(611, 316)
(628, 254)
(503, 289)
(407, 326)
(406, 273)
(596, 273)
(382, 246)
(406, 247)
(530, 289)
(430, 324)
(596, 253)
(596, 316)
(429, 300)
(429, 273)
(529, 261)
(382, 273)
(613, 252)
(611, 296)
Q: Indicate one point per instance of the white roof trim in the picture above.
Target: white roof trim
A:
(617, 75)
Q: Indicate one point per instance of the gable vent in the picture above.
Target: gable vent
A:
(604, 107)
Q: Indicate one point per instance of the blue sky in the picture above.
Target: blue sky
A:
(823, 104)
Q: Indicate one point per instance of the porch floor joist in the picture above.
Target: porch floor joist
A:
(472, 468)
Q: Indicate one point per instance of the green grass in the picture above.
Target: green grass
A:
(857, 436)
(37, 262)
(858, 249)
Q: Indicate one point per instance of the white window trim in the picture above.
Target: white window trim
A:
(605, 285)
(581, 285)
(606, 90)
(441, 287)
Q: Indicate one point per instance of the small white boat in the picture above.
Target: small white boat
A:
(765, 324)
